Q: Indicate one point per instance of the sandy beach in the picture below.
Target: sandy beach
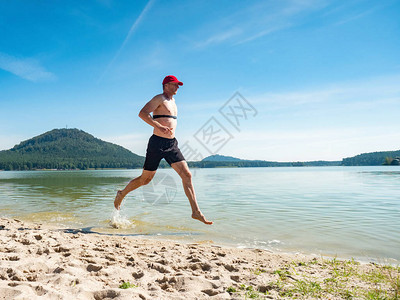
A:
(37, 262)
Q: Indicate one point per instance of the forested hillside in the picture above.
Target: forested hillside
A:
(67, 149)
(373, 159)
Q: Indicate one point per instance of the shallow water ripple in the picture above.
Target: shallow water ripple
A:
(348, 211)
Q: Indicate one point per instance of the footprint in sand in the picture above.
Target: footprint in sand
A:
(210, 292)
(231, 268)
(9, 293)
(138, 275)
(93, 268)
(159, 268)
(106, 294)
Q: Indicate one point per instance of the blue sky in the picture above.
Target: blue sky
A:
(322, 77)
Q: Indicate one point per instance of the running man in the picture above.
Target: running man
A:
(163, 144)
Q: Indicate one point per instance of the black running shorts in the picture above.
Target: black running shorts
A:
(159, 148)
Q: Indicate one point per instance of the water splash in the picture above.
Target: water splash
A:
(120, 222)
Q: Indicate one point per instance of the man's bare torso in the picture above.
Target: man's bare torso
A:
(167, 107)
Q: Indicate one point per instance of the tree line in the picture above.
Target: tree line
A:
(259, 163)
(373, 159)
(67, 149)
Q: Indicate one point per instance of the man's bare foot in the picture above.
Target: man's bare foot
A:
(118, 200)
(199, 216)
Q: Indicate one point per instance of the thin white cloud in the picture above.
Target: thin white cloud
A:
(348, 11)
(136, 24)
(133, 28)
(26, 68)
(263, 33)
(356, 16)
(369, 90)
(219, 37)
(256, 21)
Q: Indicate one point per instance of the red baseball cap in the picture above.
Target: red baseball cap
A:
(171, 78)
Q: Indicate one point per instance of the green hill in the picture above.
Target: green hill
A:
(67, 149)
(218, 157)
(372, 159)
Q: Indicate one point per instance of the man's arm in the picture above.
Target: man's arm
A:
(150, 106)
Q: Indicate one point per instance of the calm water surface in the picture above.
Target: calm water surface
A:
(343, 211)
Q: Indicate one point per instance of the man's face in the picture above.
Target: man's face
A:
(172, 87)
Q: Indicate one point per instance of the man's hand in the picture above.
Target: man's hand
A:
(165, 129)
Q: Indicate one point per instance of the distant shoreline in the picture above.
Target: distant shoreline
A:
(195, 167)
(70, 149)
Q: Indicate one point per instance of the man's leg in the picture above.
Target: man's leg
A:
(143, 179)
(182, 169)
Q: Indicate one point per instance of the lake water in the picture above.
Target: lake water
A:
(343, 211)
